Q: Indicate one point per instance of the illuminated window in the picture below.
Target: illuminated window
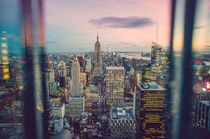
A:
(4, 58)
(6, 76)
(4, 45)
(5, 70)
(4, 51)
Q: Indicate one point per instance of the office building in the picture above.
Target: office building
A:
(62, 74)
(122, 123)
(81, 62)
(159, 62)
(15, 70)
(75, 75)
(201, 115)
(59, 112)
(92, 95)
(83, 79)
(87, 64)
(150, 103)
(62, 69)
(115, 86)
(88, 70)
(146, 74)
(75, 107)
(76, 100)
(4, 62)
(50, 81)
(97, 70)
(49, 64)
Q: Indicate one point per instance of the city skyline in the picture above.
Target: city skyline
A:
(104, 69)
(73, 25)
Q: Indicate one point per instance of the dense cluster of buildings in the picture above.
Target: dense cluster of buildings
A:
(101, 94)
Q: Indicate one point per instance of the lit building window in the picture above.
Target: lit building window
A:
(4, 51)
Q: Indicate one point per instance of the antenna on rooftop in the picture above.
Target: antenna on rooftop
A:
(157, 34)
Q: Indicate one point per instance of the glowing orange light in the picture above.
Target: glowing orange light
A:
(6, 70)
(20, 87)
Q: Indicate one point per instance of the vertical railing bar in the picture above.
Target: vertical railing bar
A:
(28, 92)
(187, 95)
(171, 73)
(43, 64)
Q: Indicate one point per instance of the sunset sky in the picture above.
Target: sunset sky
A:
(124, 25)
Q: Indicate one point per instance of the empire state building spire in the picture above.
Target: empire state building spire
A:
(97, 37)
(97, 58)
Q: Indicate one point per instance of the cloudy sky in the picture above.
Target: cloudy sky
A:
(124, 25)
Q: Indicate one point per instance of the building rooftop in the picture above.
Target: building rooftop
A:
(2, 92)
(58, 106)
(206, 102)
(114, 68)
(121, 113)
(206, 63)
(150, 86)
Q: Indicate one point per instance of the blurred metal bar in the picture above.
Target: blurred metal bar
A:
(170, 74)
(187, 95)
(28, 92)
(35, 94)
(45, 96)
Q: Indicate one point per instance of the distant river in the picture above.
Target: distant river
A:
(134, 56)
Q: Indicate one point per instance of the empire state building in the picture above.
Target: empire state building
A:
(97, 70)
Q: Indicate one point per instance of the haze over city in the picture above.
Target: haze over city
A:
(73, 25)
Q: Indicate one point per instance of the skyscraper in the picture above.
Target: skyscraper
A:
(146, 73)
(81, 62)
(88, 64)
(76, 99)
(97, 70)
(83, 79)
(62, 74)
(75, 74)
(115, 86)
(150, 106)
(4, 62)
(88, 70)
(62, 69)
(159, 62)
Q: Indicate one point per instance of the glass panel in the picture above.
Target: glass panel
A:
(153, 83)
(11, 75)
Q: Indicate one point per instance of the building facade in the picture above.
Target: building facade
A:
(146, 74)
(122, 123)
(97, 70)
(76, 100)
(75, 74)
(202, 116)
(115, 86)
(150, 103)
(4, 62)
(159, 62)
(83, 79)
